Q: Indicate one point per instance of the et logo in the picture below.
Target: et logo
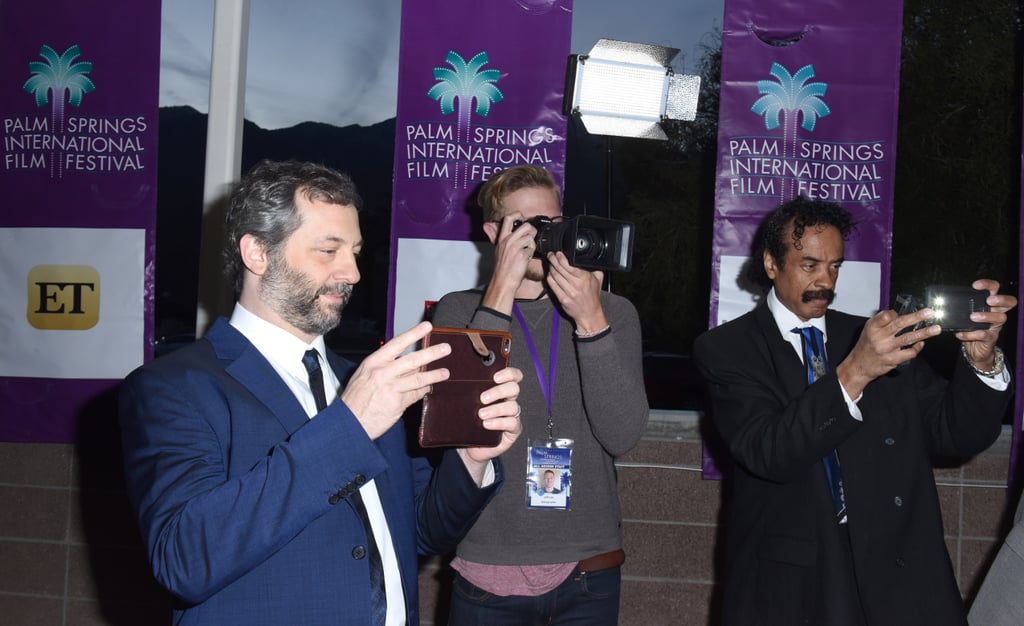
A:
(63, 297)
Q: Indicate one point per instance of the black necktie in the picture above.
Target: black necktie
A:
(378, 598)
(817, 366)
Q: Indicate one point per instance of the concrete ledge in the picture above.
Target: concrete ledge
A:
(673, 426)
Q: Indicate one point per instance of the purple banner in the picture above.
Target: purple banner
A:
(78, 130)
(1013, 480)
(809, 100)
(479, 89)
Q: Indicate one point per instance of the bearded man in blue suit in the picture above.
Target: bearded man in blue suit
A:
(256, 505)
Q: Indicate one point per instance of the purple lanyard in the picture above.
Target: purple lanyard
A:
(548, 388)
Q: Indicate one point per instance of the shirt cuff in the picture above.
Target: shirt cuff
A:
(1000, 382)
(851, 404)
(488, 475)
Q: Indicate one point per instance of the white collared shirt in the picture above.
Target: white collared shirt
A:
(787, 320)
(284, 351)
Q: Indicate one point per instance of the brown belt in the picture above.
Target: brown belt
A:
(607, 560)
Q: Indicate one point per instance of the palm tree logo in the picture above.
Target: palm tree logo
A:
(60, 75)
(465, 82)
(788, 96)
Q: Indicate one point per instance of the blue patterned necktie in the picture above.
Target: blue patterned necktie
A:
(378, 597)
(817, 366)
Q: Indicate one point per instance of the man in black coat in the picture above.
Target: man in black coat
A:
(834, 518)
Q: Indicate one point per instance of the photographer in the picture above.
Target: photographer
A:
(583, 389)
(832, 423)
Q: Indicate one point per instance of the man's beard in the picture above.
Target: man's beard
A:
(295, 297)
(827, 294)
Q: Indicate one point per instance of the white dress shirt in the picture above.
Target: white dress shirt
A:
(786, 320)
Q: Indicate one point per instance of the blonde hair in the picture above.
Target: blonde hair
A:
(501, 184)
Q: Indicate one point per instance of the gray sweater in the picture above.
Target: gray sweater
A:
(599, 402)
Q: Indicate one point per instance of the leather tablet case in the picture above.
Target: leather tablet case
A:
(449, 415)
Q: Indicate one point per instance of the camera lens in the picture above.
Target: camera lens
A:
(549, 236)
(590, 245)
(589, 242)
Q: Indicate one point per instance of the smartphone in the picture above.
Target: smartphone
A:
(953, 306)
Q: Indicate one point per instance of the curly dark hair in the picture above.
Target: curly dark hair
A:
(263, 204)
(801, 213)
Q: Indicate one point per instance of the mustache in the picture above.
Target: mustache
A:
(819, 294)
(343, 289)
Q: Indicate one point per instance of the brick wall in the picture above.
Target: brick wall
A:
(70, 554)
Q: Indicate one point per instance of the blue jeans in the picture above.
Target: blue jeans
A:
(589, 599)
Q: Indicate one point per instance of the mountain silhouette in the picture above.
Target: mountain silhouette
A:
(365, 152)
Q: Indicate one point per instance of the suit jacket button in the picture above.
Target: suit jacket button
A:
(360, 479)
(334, 499)
(889, 441)
(900, 562)
(898, 500)
(358, 552)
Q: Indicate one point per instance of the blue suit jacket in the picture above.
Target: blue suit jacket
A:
(243, 502)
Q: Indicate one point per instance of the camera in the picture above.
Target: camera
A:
(592, 243)
(952, 306)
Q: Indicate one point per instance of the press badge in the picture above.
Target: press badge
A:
(549, 474)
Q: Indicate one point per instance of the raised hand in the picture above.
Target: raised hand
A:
(388, 381)
(501, 412)
(880, 348)
(578, 291)
(513, 251)
(980, 344)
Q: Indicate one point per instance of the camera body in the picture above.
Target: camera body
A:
(952, 306)
(592, 243)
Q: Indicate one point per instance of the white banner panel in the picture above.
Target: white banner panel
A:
(427, 269)
(856, 289)
(73, 302)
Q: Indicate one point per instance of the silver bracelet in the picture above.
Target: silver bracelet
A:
(996, 370)
(594, 333)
